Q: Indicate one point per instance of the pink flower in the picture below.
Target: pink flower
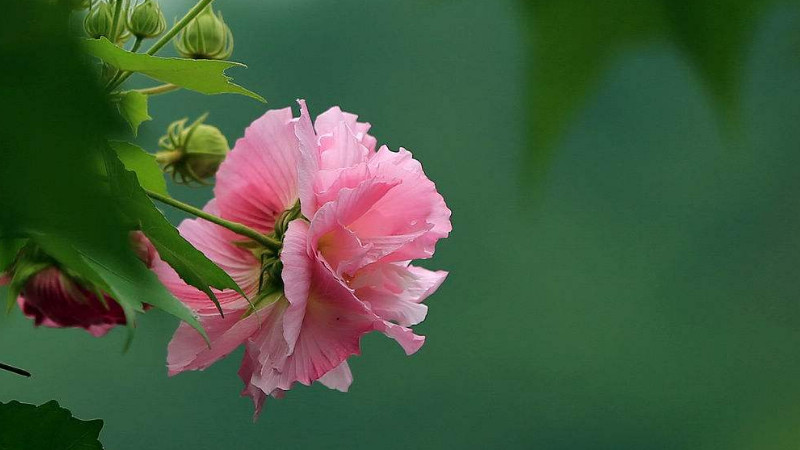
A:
(53, 298)
(349, 218)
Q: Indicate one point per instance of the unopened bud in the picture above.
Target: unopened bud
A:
(192, 153)
(146, 20)
(207, 36)
(99, 22)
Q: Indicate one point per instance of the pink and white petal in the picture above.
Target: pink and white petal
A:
(188, 350)
(327, 121)
(309, 160)
(395, 291)
(341, 149)
(246, 370)
(258, 179)
(404, 336)
(328, 183)
(342, 249)
(339, 246)
(414, 207)
(338, 378)
(333, 321)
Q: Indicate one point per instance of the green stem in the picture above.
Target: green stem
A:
(179, 25)
(136, 44)
(162, 89)
(115, 21)
(237, 228)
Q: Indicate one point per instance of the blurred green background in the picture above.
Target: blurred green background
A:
(628, 280)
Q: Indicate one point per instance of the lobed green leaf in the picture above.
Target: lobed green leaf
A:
(204, 76)
(132, 107)
(143, 164)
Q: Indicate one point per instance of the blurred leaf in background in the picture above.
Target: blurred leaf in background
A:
(573, 43)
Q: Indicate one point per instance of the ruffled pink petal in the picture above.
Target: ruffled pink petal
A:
(341, 247)
(341, 149)
(395, 291)
(309, 160)
(188, 350)
(410, 342)
(413, 208)
(258, 179)
(330, 119)
(322, 325)
(338, 378)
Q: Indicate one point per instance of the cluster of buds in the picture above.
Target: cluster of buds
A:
(143, 20)
(206, 36)
(192, 153)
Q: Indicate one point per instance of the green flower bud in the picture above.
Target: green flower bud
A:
(146, 20)
(192, 153)
(206, 37)
(99, 21)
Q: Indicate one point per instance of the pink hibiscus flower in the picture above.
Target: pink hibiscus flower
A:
(349, 219)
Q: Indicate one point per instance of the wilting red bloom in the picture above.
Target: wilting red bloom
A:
(349, 220)
(53, 298)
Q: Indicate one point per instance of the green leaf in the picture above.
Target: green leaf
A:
(132, 107)
(204, 76)
(46, 427)
(191, 264)
(143, 164)
(8, 251)
(574, 42)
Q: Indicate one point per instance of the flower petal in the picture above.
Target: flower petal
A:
(309, 160)
(258, 179)
(395, 291)
(330, 119)
(338, 378)
(322, 324)
(188, 350)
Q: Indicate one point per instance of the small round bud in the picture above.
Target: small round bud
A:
(207, 36)
(146, 20)
(99, 21)
(192, 153)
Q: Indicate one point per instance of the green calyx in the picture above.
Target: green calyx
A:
(270, 280)
(146, 20)
(29, 262)
(192, 153)
(207, 36)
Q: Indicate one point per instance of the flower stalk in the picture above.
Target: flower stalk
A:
(238, 228)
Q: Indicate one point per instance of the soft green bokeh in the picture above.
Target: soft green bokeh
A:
(646, 297)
